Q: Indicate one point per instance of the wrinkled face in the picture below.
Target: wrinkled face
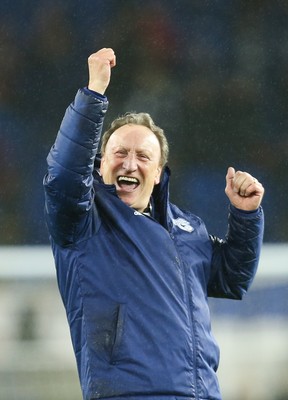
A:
(132, 163)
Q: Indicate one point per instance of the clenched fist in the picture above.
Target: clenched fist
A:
(243, 190)
(100, 64)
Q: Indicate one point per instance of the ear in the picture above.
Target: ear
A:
(101, 163)
(158, 176)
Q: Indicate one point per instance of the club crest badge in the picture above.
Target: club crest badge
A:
(183, 224)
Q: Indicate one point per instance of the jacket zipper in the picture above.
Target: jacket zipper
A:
(190, 315)
(188, 303)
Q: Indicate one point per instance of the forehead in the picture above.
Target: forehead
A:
(134, 136)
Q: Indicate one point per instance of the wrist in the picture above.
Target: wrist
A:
(94, 93)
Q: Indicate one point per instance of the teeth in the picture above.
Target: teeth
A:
(129, 179)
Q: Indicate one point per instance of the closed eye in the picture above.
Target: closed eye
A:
(143, 156)
(121, 153)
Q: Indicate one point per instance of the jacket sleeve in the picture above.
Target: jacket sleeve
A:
(235, 260)
(68, 184)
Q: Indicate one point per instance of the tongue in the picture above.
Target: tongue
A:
(127, 187)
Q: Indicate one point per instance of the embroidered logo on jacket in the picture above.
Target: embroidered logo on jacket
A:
(138, 213)
(183, 224)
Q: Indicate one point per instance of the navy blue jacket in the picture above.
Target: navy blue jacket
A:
(135, 287)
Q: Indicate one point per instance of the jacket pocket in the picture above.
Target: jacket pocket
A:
(119, 332)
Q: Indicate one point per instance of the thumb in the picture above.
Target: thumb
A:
(229, 178)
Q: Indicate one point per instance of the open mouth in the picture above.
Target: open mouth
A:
(127, 183)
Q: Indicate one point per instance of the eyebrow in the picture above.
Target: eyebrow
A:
(139, 150)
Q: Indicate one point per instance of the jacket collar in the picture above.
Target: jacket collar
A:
(160, 199)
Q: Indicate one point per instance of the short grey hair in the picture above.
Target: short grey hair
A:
(138, 119)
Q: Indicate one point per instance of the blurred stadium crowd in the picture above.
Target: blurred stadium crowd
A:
(213, 74)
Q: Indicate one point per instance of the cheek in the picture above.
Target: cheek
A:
(106, 164)
(105, 169)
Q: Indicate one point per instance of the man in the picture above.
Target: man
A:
(134, 270)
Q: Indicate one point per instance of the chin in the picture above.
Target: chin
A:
(127, 201)
(131, 204)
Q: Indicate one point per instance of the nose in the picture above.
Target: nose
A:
(130, 163)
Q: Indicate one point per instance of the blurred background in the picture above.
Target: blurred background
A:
(214, 75)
